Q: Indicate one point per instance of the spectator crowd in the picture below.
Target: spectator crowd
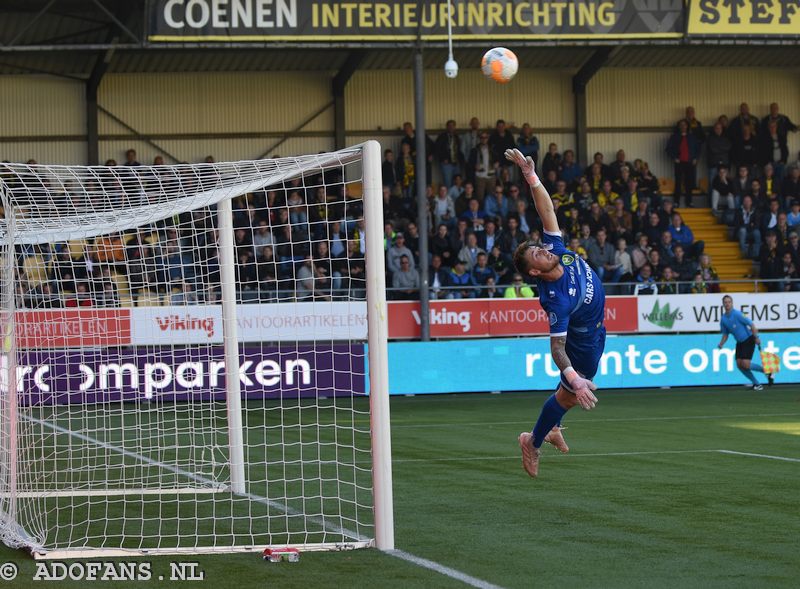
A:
(305, 240)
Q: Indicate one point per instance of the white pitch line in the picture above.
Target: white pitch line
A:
(591, 420)
(442, 570)
(421, 562)
(570, 455)
(753, 455)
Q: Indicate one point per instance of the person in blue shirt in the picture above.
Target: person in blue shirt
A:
(745, 333)
(573, 297)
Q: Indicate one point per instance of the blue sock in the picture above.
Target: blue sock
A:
(551, 414)
(756, 367)
(749, 375)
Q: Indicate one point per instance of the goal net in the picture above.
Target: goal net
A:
(184, 364)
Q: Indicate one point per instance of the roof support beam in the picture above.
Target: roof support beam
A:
(579, 82)
(32, 22)
(351, 64)
(93, 110)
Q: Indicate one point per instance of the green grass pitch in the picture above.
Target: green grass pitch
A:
(644, 499)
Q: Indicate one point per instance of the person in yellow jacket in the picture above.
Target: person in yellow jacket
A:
(518, 289)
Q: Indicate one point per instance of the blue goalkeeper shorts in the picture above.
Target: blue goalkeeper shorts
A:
(584, 350)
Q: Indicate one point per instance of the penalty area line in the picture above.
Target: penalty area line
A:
(442, 569)
(564, 456)
(753, 455)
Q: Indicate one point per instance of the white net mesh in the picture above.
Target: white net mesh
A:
(117, 433)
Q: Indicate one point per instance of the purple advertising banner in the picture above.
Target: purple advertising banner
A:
(184, 374)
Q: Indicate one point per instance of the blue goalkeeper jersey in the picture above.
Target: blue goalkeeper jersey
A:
(575, 303)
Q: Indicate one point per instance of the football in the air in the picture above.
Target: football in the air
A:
(499, 64)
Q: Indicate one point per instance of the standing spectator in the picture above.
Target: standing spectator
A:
(601, 257)
(518, 289)
(500, 140)
(741, 122)
(747, 225)
(406, 170)
(405, 281)
(552, 160)
(782, 126)
(745, 151)
(448, 153)
(683, 235)
(528, 143)
(789, 274)
(718, 150)
(619, 163)
(130, 158)
(438, 278)
(722, 188)
(469, 140)
(695, 127)
(684, 150)
(771, 258)
(388, 169)
(410, 139)
(483, 163)
(397, 251)
(773, 148)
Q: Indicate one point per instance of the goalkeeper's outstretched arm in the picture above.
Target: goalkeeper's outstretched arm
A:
(541, 198)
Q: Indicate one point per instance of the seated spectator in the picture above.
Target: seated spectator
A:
(683, 268)
(496, 204)
(655, 229)
(698, 285)
(500, 263)
(489, 236)
(575, 246)
(482, 272)
(405, 281)
(463, 281)
(645, 283)
(441, 245)
(640, 253)
(462, 202)
(512, 236)
(474, 216)
(771, 258)
(457, 189)
(561, 197)
(81, 297)
(622, 259)
(585, 197)
(585, 237)
(618, 164)
(641, 217)
(491, 291)
(444, 209)
(470, 252)
(709, 273)
(665, 247)
(769, 220)
(621, 221)
(790, 282)
(602, 169)
(570, 169)
(742, 184)
(747, 225)
(187, 295)
(412, 241)
(772, 187)
(648, 186)
(628, 190)
(790, 188)
(597, 219)
(793, 218)
(438, 278)
(552, 160)
(601, 258)
(458, 238)
(794, 247)
(606, 196)
(668, 284)
(722, 188)
(518, 289)
(396, 252)
(683, 235)
(655, 263)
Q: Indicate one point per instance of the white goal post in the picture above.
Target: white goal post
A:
(194, 357)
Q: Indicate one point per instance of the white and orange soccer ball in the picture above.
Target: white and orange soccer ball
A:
(499, 64)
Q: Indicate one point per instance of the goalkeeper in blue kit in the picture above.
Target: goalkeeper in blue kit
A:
(573, 297)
